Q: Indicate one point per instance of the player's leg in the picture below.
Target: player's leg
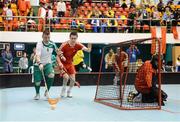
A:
(72, 81)
(37, 81)
(116, 77)
(71, 72)
(65, 81)
(49, 75)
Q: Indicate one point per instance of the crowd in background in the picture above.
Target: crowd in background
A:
(88, 15)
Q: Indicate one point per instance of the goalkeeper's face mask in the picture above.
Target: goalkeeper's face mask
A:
(154, 61)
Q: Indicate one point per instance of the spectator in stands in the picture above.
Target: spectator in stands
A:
(124, 5)
(89, 1)
(7, 59)
(145, 16)
(160, 6)
(111, 3)
(110, 13)
(61, 8)
(103, 25)
(14, 8)
(155, 15)
(131, 20)
(50, 17)
(23, 63)
(5, 8)
(8, 23)
(74, 24)
(172, 5)
(31, 24)
(23, 8)
(103, 22)
(42, 16)
(176, 16)
(109, 60)
(103, 14)
(167, 16)
(80, 2)
(132, 52)
(112, 25)
(95, 24)
(132, 4)
(81, 24)
(31, 13)
(74, 6)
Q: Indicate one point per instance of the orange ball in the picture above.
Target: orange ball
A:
(53, 107)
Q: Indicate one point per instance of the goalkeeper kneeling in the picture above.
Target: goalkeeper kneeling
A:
(145, 82)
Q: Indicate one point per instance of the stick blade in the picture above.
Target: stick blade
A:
(77, 84)
(53, 101)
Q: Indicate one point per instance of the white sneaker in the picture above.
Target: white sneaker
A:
(37, 97)
(63, 91)
(69, 94)
(89, 68)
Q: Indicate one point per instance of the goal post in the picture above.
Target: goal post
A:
(123, 94)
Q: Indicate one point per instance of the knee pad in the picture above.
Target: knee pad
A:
(37, 83)
(51, 75)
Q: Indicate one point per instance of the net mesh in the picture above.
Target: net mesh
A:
(119, 91)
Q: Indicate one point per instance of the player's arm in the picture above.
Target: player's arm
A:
(60, 52)
(115, 62)
(88, 48)
(59, 62)
(137, 50)
(38, 52)
(125, 62)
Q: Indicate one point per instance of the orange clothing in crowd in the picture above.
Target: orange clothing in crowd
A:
(22, 7)
(42, 15)
(143, 81)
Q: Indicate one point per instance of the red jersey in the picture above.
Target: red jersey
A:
(70, 51)
(143, 81)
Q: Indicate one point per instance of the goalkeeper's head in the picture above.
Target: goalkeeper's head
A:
(154, 61)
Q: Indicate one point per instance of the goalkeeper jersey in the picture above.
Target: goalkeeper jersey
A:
(78, 58)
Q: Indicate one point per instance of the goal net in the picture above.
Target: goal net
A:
(116, 88)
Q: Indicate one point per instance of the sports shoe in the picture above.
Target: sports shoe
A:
(63, 91)
(37, 97)
(89, 68)
(69, 94)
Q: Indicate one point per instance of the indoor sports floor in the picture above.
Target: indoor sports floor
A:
(17, 104)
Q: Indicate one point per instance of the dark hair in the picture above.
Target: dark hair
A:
(49, 7)
(47, 32)
(24, 53)
(7, 46)
(74, 34)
